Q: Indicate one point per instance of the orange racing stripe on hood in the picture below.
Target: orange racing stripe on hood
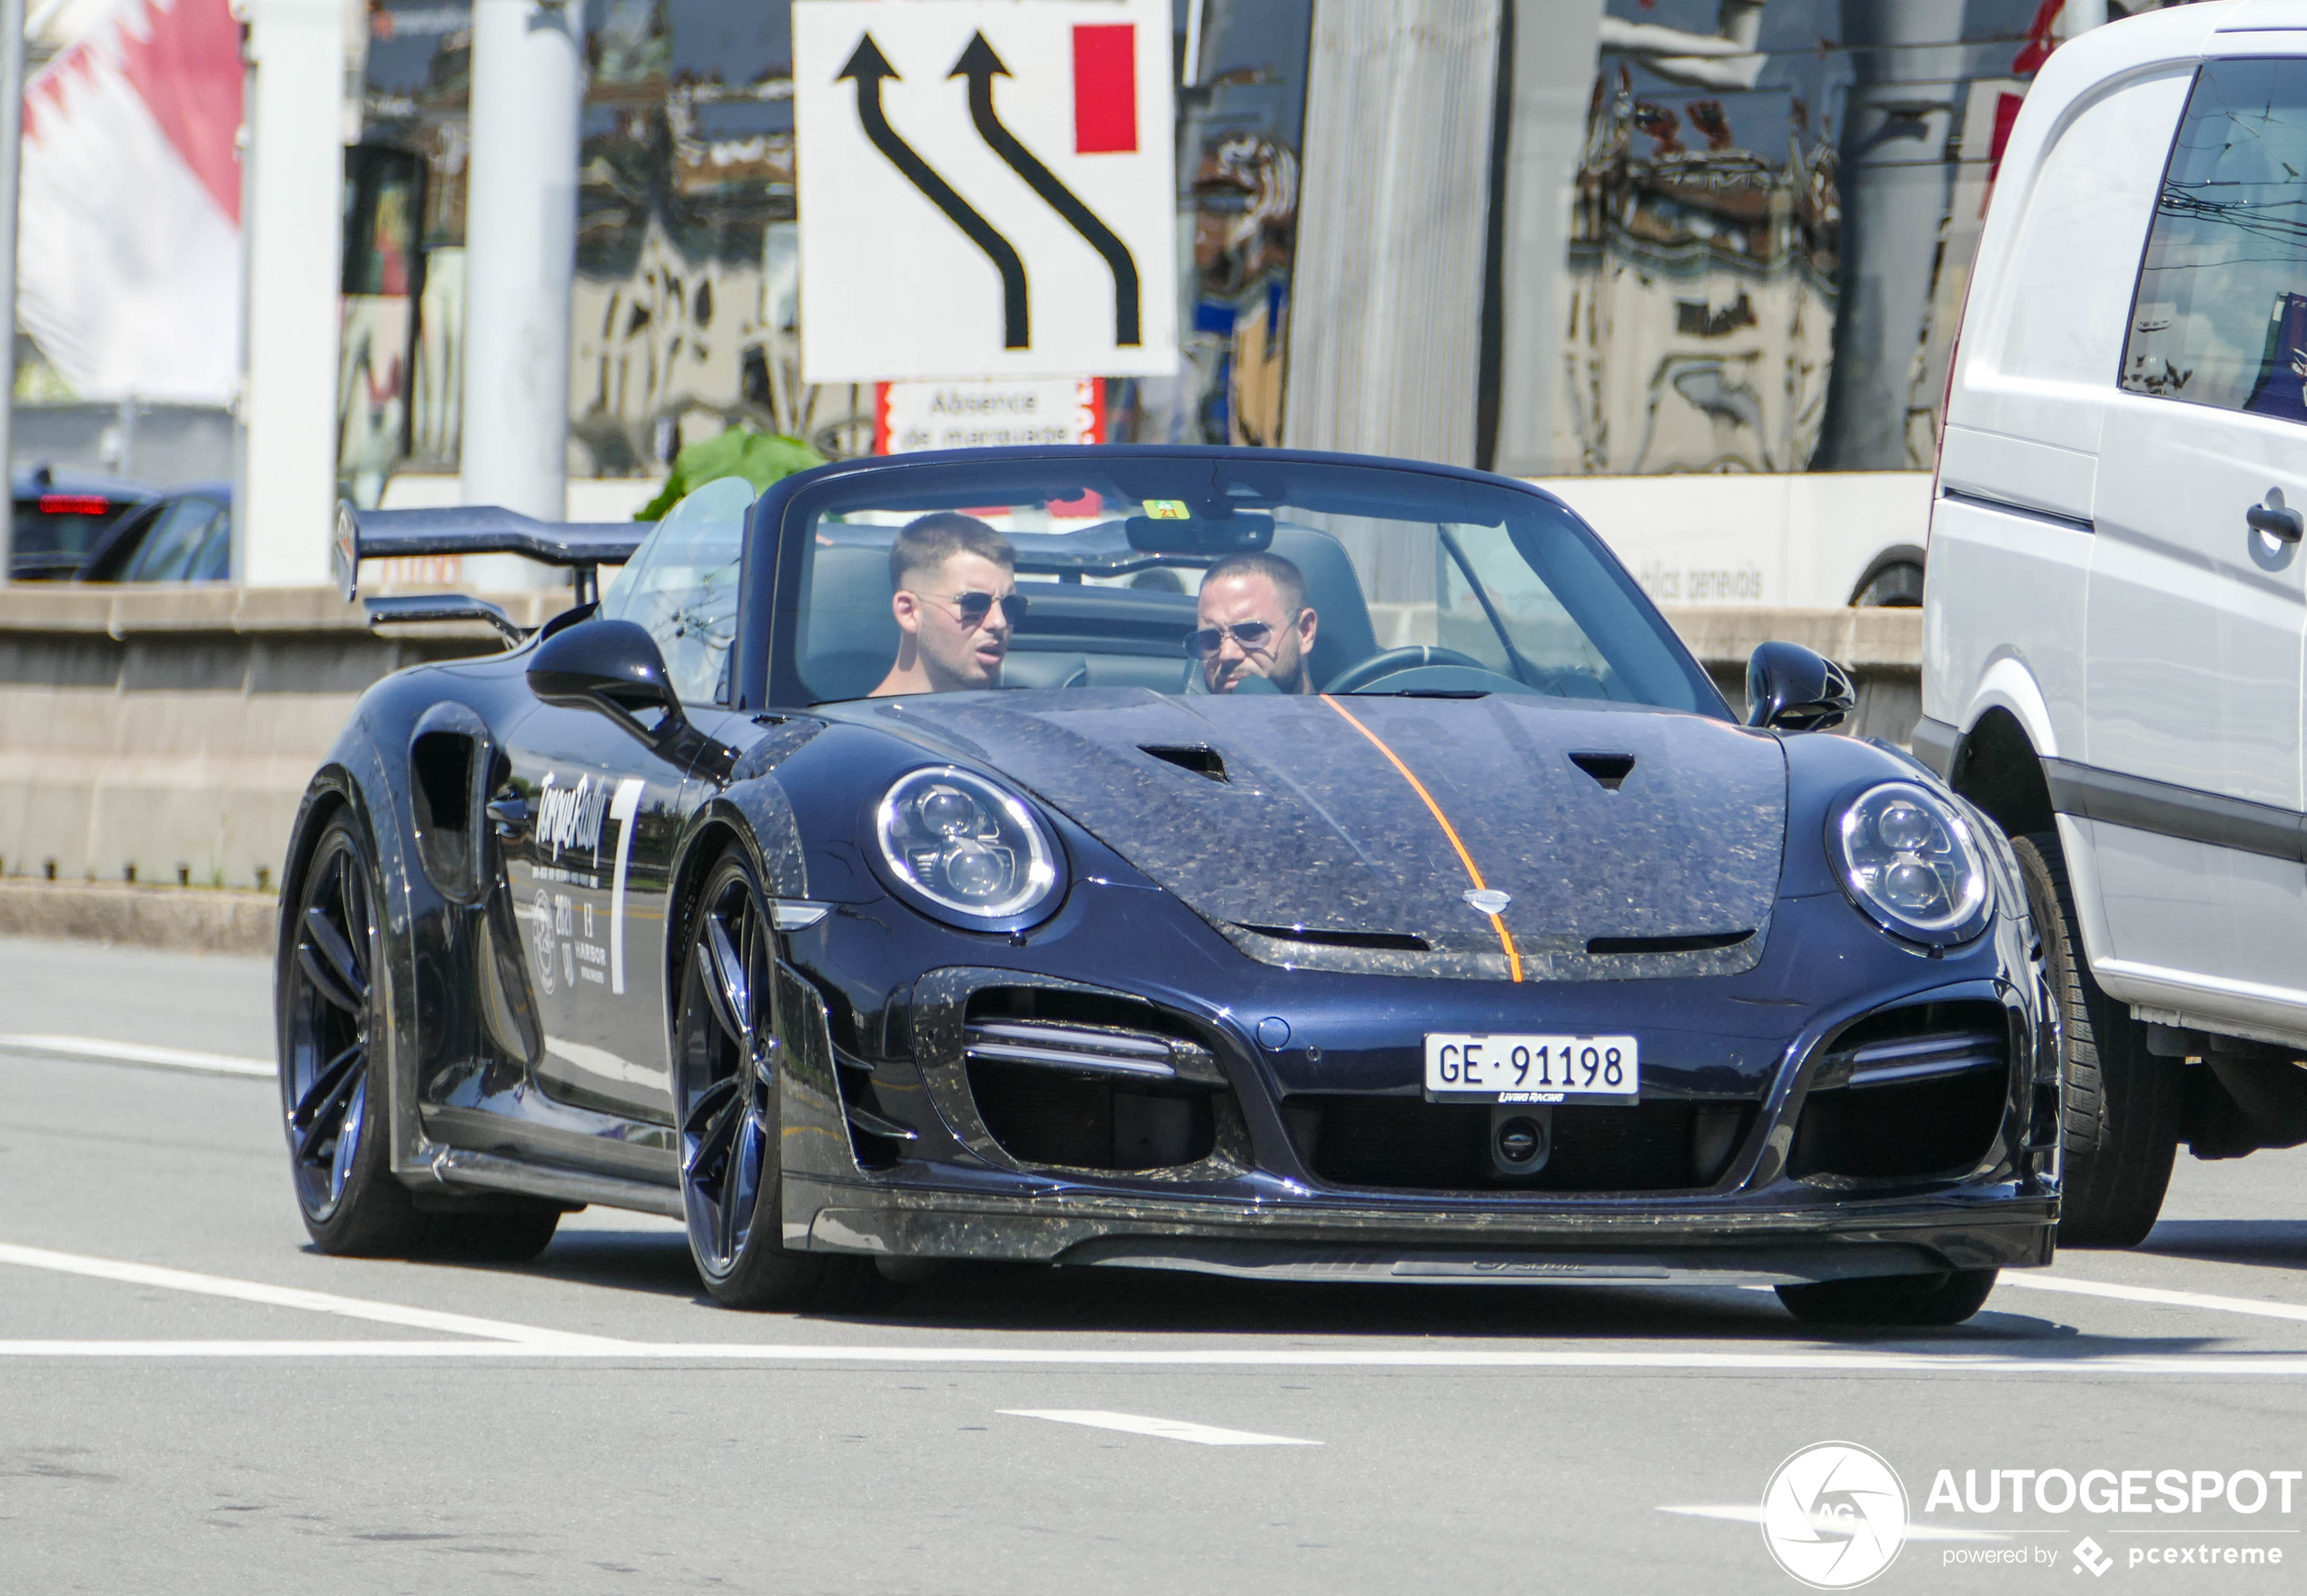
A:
(1473, 873)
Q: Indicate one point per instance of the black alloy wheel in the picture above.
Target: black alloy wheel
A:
(2119, 1127)
(1918, 1300)
(330, 1013)
(727, 1059)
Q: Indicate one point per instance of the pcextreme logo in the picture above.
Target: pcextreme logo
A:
(1834, 1515)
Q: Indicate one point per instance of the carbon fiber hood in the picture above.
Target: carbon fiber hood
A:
(1320, 828)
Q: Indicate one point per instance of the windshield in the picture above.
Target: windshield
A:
(1198, 576)
(681, 586)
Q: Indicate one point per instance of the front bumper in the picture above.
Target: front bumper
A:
(1258, 1206)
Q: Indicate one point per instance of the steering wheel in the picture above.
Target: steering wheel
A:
(1361, 673)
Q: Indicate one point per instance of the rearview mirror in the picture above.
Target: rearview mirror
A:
(607, 665)
(1791, 688)
(1175, 528)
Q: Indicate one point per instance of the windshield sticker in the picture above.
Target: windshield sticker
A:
(1168, 510)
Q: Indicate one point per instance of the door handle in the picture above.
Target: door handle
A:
(2275, 522)
(509, 816)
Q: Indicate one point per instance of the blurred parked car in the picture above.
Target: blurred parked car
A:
(185, 536)
(62, 516)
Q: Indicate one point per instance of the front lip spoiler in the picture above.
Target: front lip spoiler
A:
(1715, 1240)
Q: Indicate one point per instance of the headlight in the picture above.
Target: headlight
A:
(965, 850)
(1912, 861)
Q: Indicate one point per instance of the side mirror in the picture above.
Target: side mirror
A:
(1791, 688)
(608, 665)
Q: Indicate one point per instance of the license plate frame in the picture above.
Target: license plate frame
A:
(1534, 1074)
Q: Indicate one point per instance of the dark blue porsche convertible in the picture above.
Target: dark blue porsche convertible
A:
(1271, 864)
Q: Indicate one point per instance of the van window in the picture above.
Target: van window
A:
(2219, 317)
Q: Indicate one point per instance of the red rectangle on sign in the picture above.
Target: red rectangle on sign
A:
(1105, 89)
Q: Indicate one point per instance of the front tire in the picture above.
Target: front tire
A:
(2120, 1128)
(727, 1058)
(1922, 1300)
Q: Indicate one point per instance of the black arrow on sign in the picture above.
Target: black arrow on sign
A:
(979, 65)
(868, 65)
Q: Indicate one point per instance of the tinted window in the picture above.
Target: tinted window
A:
(681, 586)
(2221, 313)
(169, 550)
(1415, 584)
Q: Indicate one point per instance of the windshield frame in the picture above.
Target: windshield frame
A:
(769, 620)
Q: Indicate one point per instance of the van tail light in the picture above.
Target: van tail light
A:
(74, 504)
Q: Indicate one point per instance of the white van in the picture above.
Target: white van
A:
(2116, 613)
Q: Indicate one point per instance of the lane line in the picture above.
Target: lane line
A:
(1740, 1513)
(1165, 1429)
(311, 1301)
(551, 1345)
(1497, 923)
(2154, 1294)
(212, 1064)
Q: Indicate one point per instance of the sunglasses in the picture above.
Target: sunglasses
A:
(971, 608)
(1253, 635)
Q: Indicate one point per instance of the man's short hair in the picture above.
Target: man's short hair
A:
(1288, 580)
(932, 539)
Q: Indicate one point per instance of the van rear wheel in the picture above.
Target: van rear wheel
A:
(2119, 1127)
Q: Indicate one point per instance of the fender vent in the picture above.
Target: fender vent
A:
(1201, 760)
(1609, 769)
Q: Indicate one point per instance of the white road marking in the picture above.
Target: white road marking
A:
(551, 1344)
(212, 1064)
(1166, 1428)
(311, 1302)
(1740, 1513)
(2152, 1293)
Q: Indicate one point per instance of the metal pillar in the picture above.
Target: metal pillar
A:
(11, 151)
(293, 223)
(1895, 181)
(521, 254)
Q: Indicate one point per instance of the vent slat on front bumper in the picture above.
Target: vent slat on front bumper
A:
(1079, 1049)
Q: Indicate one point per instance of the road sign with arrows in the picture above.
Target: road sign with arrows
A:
(985, 188)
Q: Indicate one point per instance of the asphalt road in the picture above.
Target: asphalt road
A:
(177, 1415)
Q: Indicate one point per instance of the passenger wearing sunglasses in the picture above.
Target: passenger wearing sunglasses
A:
(956, 601)
(1253, 620)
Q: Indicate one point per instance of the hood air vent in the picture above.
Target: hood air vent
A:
(1705, 942)
(1201, 761)
(1611, 770)
(1378, 941)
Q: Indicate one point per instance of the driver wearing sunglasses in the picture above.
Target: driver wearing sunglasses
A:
(1252, 620)
(955, 601)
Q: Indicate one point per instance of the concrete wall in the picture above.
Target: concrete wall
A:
(172, 730)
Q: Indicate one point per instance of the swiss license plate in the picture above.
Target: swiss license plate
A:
(1514, 1068)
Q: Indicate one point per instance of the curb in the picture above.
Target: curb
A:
(184, 920)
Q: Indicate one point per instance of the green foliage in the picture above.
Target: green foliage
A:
(760, 457)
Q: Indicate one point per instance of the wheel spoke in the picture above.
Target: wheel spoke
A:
(740, 1185)
(714, 1142)
(344, 963)
(709, 1103)
(329, 1113)
(725, 981)
(324, 982)
(325, 1081)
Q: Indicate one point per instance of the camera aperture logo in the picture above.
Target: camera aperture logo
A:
(1834, 1515)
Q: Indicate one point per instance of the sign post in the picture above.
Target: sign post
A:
(986, 190)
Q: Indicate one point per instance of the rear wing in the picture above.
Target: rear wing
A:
(480, 528)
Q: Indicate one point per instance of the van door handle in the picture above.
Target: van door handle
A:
(2274, 520)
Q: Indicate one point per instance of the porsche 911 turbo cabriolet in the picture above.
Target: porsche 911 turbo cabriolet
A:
(1271, 864)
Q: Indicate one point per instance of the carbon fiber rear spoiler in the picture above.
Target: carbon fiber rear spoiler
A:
(479, 528)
